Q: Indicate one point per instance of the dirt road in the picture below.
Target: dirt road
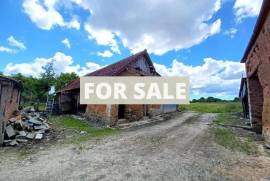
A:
(179, 149)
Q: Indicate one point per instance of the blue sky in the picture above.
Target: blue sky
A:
(203, 39)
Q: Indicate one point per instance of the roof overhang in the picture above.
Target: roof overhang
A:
(260, 22)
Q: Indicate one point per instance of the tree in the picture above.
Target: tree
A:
(30, 86)
(64, 79)
(48, 75)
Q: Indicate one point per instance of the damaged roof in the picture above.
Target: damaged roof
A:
(16, 83)
(113, 69)
(260, 22)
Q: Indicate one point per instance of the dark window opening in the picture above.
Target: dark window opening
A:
(121, 111)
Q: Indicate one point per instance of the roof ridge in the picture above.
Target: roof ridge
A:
(124, 60)
(109, 70)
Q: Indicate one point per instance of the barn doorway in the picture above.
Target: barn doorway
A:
(121, 111)
(255, 102)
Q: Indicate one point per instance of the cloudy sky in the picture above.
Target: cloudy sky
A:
(203, 39)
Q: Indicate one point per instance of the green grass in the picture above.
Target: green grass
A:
(221, 107)
(228, 119)
(41, 106)
(77, 125)
(229, 138)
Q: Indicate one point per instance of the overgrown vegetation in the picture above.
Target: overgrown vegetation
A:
(35, 89)
(88, 130)
(227, 138)
(218, 107)
(230, 138)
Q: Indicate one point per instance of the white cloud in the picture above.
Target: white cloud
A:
(246, 8)
(74, 23)
(216, 78)
(7, 50)
(66, 42)
(105, 54)
(45, 16)
(103, 37)
(157, 25)
(231, 32)
(15, 43)
(62, 63)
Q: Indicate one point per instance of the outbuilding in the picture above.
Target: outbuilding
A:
(139, 64)
(10, 93)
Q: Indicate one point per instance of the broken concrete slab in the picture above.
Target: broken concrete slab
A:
(21, 140)
(20, 137)
(41, 127)
(39, 136)
(40, 131)
(10, 131)
(34, 121)
(22, 133)
(30, 135)
(13, 143)
(42, 119)
(26, 125)
(6, 142)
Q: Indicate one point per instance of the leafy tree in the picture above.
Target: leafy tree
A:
(48, 76)
(30, 85)
(236, 99)
(64, 79)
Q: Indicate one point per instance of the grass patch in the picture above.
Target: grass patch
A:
(77, 126)
(221, 107)
(228, 119)
(229, 138)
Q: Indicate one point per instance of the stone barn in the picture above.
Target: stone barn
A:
(257, 62)
(10, 92)
(138, 64)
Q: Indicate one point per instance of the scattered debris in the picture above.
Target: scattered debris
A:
(267, 146)
(25, 126)
(39, 136)
(10, 131)
(83, 132)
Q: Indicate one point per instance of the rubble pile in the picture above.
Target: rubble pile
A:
(26, 126)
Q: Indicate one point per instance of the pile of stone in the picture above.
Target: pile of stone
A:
(26, 126)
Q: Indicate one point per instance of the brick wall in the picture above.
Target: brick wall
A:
(256, 102)
(258, 72)
(134, 112)
(109, 113)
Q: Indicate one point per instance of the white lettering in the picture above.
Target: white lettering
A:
(119, 91)
(107, 88)
(89, 90)
(180, 89)
(153, 91)
(139, 92)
